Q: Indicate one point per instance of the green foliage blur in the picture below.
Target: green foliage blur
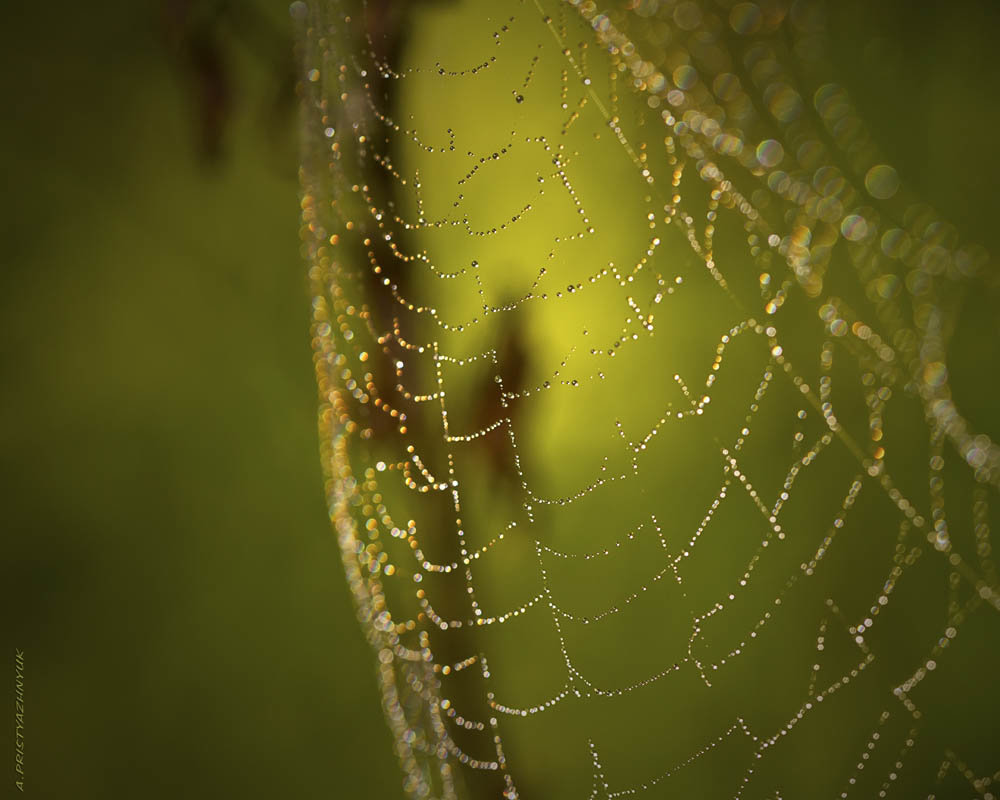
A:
(169, 570)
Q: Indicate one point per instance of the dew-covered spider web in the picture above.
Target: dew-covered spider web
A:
(644, 378)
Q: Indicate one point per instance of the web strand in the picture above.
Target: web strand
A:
(615, 313)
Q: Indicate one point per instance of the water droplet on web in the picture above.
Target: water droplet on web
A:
(745, 18)
(882, 181)
(770, 152)
(854, 227)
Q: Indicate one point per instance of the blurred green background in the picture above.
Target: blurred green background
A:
(169, 566)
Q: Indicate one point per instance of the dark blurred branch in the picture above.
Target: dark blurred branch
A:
(201, 33)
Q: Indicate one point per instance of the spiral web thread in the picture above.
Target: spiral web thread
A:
(756, 164)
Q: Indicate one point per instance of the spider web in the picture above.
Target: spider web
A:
(641, 405)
